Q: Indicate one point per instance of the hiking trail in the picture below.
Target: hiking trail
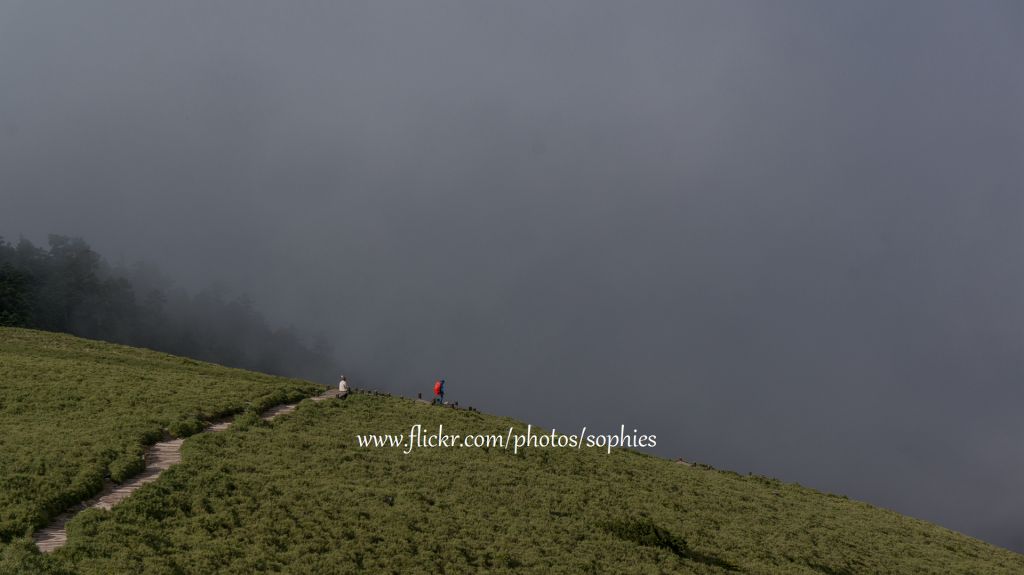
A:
(159, 458)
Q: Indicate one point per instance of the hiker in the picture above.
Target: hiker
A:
(439, 392)
(343, 388)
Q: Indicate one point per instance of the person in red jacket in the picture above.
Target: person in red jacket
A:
(439, 392)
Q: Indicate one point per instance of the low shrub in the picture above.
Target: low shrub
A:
(129, 462)
(186, 426)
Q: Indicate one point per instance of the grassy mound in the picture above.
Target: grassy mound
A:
(73, 411)
(300, 496)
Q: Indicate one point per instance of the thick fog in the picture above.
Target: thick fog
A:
(785, 237)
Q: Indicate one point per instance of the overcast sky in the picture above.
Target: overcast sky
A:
(786, 237)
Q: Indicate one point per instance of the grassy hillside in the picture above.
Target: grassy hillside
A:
(73, 411)
(298, 495)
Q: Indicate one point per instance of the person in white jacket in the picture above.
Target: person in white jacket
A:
(343, 388)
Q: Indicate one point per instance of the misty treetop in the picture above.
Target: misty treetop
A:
(68, 287)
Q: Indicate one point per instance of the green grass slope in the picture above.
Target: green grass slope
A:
(300, 496)
(73, 411)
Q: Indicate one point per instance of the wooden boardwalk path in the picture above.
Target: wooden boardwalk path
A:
(159, 457)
